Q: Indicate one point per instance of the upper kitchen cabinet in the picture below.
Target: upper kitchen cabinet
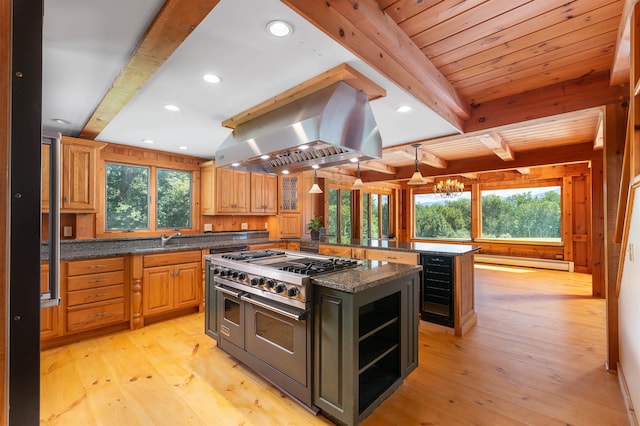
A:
(207, 184)
(232, 191)
(264, 193)
(79, 166)
(289, 193)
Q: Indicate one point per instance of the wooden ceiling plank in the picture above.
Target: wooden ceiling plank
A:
(599, 34)
(574, 95)
(377, 40)
(436, 15)
(525, 34)
(461, 19)
(342, 72)
(529, 62)
(171, 26)
(402, 10)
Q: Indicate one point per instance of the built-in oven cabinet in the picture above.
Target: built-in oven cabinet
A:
(365, 344)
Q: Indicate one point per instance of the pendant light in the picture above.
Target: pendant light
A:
(417, 178)
(315, 189)
(358, 182)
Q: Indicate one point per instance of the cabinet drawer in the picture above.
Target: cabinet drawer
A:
(173, 258)
(393, 256)
(84, 282)
(92, 266)
(95, 315)
(334, 250)
(95, 294)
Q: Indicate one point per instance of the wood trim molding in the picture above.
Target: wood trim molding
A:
(171, 26)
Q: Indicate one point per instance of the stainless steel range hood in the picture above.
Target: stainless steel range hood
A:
(335, 124)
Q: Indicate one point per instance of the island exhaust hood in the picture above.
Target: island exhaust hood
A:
(327, 128)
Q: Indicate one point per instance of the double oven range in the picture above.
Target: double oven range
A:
(259, 310)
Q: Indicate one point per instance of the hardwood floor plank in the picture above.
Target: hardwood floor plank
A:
(536, 357)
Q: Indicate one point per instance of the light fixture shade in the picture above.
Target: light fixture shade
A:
(358, 183)
(416, 179)
(315, 189)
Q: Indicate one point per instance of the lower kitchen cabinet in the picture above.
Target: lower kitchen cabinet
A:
(96, 294)
(365, 344)
(50, 321)
(171, 282)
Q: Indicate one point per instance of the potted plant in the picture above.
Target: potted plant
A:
(314, 226)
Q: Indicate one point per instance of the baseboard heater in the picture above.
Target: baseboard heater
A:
(529, 262)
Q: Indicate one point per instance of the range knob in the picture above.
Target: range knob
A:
(280, 288)
(255, 281)
(242, 276)
(261, 280)
(271, 283)
(293, 291)
(224, 272)
(215, 271)
(235, 274)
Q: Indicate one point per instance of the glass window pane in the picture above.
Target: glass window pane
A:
(127, 196)
(345, 215)
(375, 216)
(385, 217)
(522, 214)
(332, 220)
(173, 195)
(442, 218)
(365, 215)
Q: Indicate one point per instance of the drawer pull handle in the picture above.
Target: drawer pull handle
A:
(98, 280)
(391, 257)
(99, 314)
(98, 266)
(98, 295)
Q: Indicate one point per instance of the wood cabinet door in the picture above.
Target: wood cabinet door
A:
(242, 192)
(289, 192)
(270, 196)
(207, 188)
(224, 191)
(290, 226)
(78, 177)
(46, 152)
(187, 285)
(50, 324)
(157, 291)
(257, 192)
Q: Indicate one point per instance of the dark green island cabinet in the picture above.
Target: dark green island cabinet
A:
(365, 339)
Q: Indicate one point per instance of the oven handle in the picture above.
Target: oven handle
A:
(236, 293)
(298, 316)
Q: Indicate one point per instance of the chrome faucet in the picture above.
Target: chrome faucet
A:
(164, 238)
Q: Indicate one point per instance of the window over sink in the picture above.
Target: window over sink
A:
(129, 205)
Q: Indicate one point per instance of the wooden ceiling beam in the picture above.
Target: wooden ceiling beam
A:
(378, 166)
(586, 92)
(424, 157)
(367, 31)
(171, 26)
(494, 142)
(620, 66)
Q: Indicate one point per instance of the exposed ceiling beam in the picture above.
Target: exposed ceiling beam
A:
(368, 32)
(423, 157)
(494, 142)
(378, 166)
(586, 92)
(470, 176)
(598, 140)
(524, 170)
(620, 65)
(171, 26)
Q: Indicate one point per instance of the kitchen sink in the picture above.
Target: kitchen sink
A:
(157, 249)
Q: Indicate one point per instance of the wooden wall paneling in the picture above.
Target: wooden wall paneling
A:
(567, 218)
(476, 212)
(581, 224)
(614, 139)
(597, 226)
(635, 87)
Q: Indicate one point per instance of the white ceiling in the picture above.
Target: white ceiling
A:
(87, 42)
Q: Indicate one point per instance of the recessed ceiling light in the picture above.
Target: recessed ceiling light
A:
(147, 141)
(285, 172)
(315, 166)
(182, 147)
(404, 108)
(353, 159)
(60, 121)
(212, 78)
(235, 164)
(173, 108)
(279, 28)
(264, 156)
(303, 147)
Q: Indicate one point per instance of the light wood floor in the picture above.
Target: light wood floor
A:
(536, 357)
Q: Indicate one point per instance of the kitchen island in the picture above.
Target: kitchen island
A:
(361, 328)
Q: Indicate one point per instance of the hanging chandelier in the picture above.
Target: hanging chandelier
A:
(448, 188)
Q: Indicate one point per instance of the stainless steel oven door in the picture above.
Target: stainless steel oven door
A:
(277, 334)
(231, 315)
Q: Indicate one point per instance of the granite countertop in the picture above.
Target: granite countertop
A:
(370, 273)
(375, 243)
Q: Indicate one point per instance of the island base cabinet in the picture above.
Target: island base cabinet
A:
(365, 345)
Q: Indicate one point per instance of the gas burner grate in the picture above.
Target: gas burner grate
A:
(315, 267)
(250, 255)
